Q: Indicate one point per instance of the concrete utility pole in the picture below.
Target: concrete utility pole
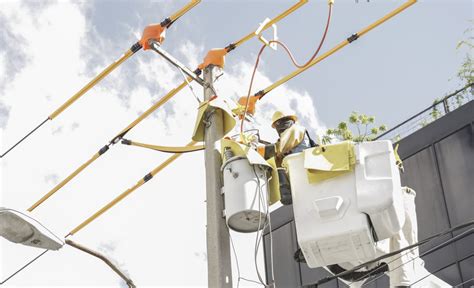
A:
(218, 249)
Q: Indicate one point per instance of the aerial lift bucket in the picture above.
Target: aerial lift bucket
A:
(346, 197)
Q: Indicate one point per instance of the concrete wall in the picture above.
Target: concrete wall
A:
(439, 165)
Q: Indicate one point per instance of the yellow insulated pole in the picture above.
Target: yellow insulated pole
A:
(127, 192)
(184, 10)
(149, 111)
(93, 82)
(65, 181)
(338, 47)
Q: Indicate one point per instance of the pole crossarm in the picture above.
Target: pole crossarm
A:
(147, 113)
(336, 48)
(155, 46)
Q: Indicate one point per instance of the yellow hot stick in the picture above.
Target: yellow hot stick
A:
(155, 106)
(150, 110)
(91, 84)
(339, 46)
(64, 182)
(184, 10)
(127, 192)
(273, 21)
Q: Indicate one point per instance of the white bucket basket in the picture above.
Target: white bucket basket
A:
(245, 194)
(336, 219)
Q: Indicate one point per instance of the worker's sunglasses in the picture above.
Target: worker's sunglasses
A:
(283, 124)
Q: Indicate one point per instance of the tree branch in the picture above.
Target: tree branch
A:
(103, 258)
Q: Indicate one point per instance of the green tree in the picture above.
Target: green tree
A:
(362, 123)
(466, 72)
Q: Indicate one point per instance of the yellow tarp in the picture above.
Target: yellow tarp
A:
(329, 161)
(217, 103)
(274, 182)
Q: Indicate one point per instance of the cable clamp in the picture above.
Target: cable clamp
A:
(126, 142)
(103, 149)
(147, 177)
(230, 47)
(136, 47)
(166, 23)
(353, 37)
(260, 29)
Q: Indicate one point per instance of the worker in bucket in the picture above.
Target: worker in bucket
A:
(293, 138)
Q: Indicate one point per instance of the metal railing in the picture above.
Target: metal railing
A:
(439, 108)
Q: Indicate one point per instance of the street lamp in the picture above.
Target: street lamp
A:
(18, 227)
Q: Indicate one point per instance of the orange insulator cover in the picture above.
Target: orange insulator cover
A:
(214, 57)
(154, 32)
(251, 105)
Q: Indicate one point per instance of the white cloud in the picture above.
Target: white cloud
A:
(159, 231)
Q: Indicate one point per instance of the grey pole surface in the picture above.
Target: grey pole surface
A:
(219, 269)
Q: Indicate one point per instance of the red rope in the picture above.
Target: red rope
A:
(293, 60)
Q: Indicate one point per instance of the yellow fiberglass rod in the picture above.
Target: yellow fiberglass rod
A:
(336, 48)
(151, 31)
(128, 191)
(149, 111)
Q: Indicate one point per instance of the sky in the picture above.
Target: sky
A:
(48, 50)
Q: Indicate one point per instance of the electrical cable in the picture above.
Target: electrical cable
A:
(380, 268)
(387, 255)
(290, 54)
(434, 249)
(266, 224)
(257, 241)
(270, 231)
(239, 277)
(165, 149)
(24, 137)
(26, 265)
